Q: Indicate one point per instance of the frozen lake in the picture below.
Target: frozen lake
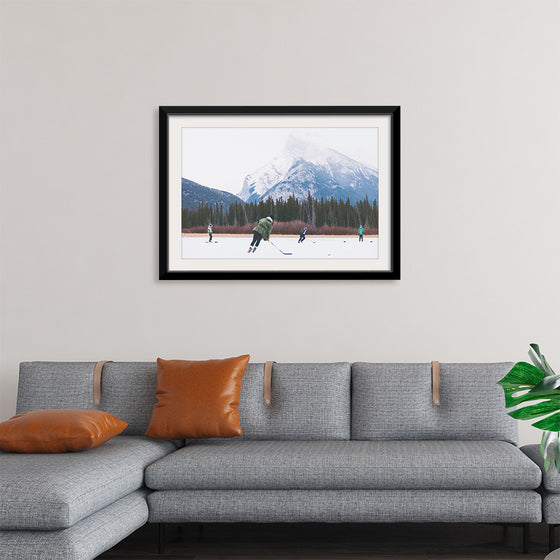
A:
(235, 247)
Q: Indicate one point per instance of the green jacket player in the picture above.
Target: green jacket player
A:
(261, 231)
(361, 232)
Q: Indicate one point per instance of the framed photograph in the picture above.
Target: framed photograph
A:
(279, 192)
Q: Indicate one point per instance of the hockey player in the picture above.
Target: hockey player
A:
(261, 231)
(210, 233)
(361, 231)
(302, 235)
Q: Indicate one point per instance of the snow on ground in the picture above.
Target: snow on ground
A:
(234, 247)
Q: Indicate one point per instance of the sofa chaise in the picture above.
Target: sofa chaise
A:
(339, 442)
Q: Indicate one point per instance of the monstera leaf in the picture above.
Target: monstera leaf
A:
(526, 383)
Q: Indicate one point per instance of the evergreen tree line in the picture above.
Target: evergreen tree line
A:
(315, 213)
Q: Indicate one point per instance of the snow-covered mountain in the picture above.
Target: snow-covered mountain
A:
(304, 167)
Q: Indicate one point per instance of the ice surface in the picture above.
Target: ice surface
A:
(234, 247)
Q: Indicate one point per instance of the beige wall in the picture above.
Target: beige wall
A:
(479, 86)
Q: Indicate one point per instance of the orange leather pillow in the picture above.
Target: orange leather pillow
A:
(58, 431)
(197, 399)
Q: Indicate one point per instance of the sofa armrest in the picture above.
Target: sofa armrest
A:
(551, 479)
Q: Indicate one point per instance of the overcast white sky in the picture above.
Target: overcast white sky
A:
(221, 158)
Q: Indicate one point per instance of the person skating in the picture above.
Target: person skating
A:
(210, 233)
(302, 235)
(361, 231)
(261, 231)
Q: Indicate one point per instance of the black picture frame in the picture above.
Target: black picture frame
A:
(392, 113)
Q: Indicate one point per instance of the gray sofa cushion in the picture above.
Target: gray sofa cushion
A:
(127, 389)
(44, 385)
(85, 540)
(128, 392)
(394, 401)
(339, 506)
(344, 465)
(551, 508)
(309, 402)
(551, 478)
(54, 491)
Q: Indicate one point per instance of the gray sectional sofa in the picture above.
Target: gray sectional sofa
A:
(340, 442)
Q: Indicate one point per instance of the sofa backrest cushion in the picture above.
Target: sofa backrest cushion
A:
(309, 402)
(394, 402)
(44, 385)
(127, 389)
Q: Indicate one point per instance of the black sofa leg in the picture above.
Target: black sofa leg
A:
(161, 538)
(525, 538)
(551, 537)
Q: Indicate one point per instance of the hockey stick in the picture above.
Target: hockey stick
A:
(279, 248)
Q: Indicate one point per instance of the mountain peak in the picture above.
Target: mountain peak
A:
(297, 148)
(306, 167)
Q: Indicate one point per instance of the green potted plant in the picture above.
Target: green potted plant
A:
(526, 383)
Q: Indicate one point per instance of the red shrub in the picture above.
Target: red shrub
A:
(281, 228)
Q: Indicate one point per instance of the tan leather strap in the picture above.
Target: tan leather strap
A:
(97, 381)
(268, 383)
(435, 383)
